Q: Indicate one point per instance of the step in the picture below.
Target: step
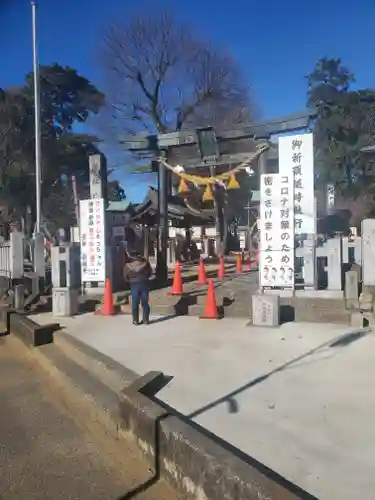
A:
(312, 315)
(319, 304)
(112, 374)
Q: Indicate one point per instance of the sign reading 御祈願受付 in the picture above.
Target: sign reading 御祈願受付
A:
(92, 232)
(276, 259)
(296, 157)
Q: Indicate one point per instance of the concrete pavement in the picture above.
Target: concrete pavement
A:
(298, 398)
(48, 452)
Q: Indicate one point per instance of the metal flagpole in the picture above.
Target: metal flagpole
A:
(38, 158)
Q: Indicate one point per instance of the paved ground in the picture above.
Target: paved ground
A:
(232, 286)
(298, 398)
(45, 451)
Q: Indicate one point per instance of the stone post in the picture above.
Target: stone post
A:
(19, 297)
(351, 290)
(16, 255)
(39, 255)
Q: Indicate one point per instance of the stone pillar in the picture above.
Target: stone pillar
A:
(351, 290)
(334, 263)
(330, 199)
(65, 269)
(19, 297)
(16, 255)
(206, 247)
(368, 252)
(65, 266)
(64, 302)
(358, 250)
(309, 262)
(172, 252)
(39, 255)
(265, 310)
(98, 176)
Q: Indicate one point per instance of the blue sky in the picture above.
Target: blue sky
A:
(276, 43)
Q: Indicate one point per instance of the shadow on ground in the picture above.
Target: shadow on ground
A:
(87, 305)
(163, 318)
(233, 407)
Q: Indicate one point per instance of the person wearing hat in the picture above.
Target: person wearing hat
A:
(137, 271)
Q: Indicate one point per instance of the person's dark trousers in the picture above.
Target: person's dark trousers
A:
(139, 293)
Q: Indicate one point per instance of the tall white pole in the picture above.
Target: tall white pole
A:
(38, 156)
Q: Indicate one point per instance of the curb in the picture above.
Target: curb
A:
(191, 459)
(106, 369)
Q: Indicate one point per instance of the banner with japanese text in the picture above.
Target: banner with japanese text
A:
(92, 235)
(276, 224)
(296, 157)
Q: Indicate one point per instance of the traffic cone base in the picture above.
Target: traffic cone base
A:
(210, 310)
(202, 279)
(108, 308)
(177, 287)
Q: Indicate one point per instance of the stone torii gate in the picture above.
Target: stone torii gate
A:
(208, 148)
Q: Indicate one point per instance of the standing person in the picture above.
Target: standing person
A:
(138, 271)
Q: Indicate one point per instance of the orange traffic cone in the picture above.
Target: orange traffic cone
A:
(210, 310)
(248, 262)
(108, 308)
(221, 270)
(202, 279)
(239, 264)
(177, 287)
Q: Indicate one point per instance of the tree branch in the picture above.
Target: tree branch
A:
(154, 65)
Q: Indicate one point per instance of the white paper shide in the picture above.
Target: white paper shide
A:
(276, 263)
(92, 232)
(296, 157)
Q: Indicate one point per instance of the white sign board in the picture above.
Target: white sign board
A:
(196, 233)
(276, 258)
(92, 231)
(211, 232)
(368, 251)
(242, 240)
(296, 157)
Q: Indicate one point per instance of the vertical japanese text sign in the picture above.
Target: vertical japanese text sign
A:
(98, 176)
(296, 156)
(92, 231)
(269, 184)
(276, 231)
(287, 231)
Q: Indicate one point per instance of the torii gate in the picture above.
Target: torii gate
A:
(206, 147)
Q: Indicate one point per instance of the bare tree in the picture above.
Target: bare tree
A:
(159, 77)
